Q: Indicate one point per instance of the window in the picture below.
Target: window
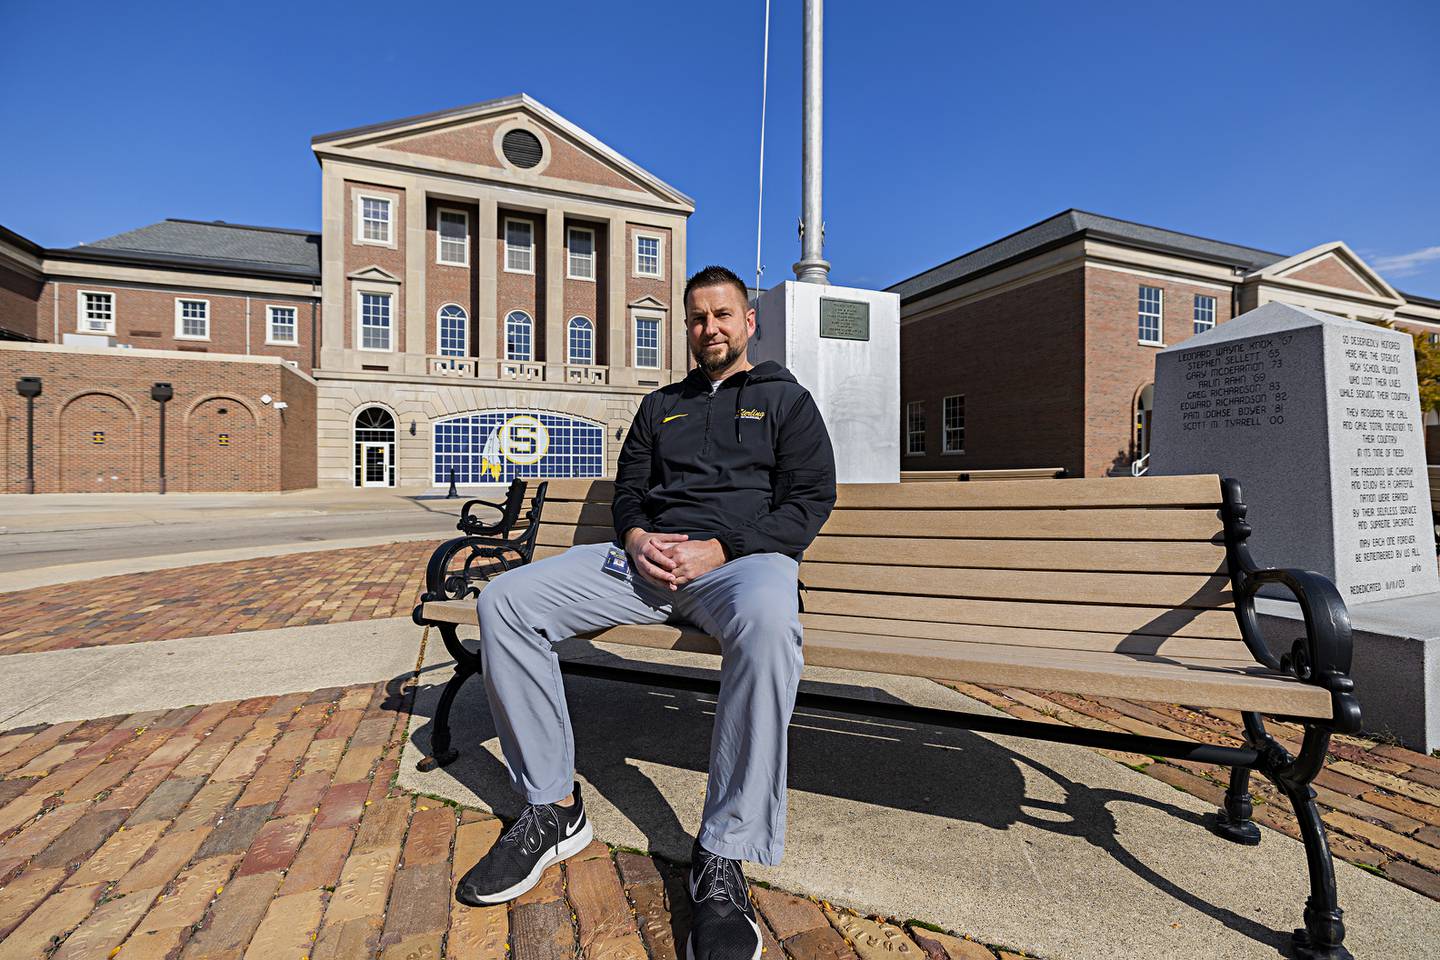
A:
(374, 321)
(915, 427)
(97, 312)
(453, 237)
(374, 448)
(466, 447)
(192, 319)
(452, 331)
(581, 245)
(1150, 315)
(280, 325)
(1204, 314)
(647, 341)
(647, 255)
(373, 221)
(582, 340)
(954, 425)
(519, 246)
(517, 335)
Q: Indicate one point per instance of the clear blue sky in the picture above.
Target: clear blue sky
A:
(1277, 125)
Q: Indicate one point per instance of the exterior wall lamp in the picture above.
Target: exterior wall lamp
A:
(29, 388)
(162, 393)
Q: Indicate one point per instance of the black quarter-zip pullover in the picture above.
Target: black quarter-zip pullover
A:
(748, 464)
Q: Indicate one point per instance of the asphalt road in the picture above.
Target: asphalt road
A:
(23, 550)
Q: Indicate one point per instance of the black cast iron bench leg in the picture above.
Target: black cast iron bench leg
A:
(467, 665)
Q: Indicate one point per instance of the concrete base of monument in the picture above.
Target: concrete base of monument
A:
(1396, 662)
(843, 345)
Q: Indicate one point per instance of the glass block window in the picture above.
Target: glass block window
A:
(647, 341)
(496, 446)
(582, 340)
(520, 246)
(280, 325)
(1204, 313)
(375, 219)
(647, 255)
(1150, 299)
(97, 312)
(915, 427)
(453, 230)
(374, 321)
(192, 318)
(518, 339)
(955, 424)
(452, 331)
(581, 245)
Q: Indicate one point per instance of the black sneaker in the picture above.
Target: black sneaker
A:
(544, 834)
(723, 923)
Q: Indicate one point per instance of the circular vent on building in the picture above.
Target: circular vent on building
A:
(522, 148)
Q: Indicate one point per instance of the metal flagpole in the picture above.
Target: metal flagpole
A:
(813, 267)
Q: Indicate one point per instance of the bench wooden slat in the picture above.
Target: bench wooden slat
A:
(1152, 589)
(1099, 618)
(1210, 683)
(1186, 648)
(1117, 524)
(1080, 492)
(1100, 555)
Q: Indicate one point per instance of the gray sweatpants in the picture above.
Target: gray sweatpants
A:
(749, 605)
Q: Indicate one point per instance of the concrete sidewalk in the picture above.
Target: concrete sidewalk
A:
(1053, 849)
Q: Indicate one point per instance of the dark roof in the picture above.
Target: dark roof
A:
(210, 244)
(1416, 298)
(24, 243)
(1067, 226)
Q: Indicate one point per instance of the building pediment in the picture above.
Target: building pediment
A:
(1332, 266)
(373, 274)
(542, 149)
(647, 303)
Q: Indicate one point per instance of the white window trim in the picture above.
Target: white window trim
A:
(394, 318)
(82, 324)
(1160, 340)
(659, 318)
(270, 341)
(659, 273)
(505, 246)
(944, 430)
(568, 357)
(439, 330)
(360, 197)
(1195, 308)
(440, 211)
(570, 231)
(180, 333)
(910, 450)
(506, 334)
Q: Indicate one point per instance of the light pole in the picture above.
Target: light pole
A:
(161, 393)
(813, 268)
(29, 388)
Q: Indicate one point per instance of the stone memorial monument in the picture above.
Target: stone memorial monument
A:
(1319, 419)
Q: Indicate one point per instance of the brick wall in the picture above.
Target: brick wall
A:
(447, 282)
(1017, 359)
(145, 319)
(97, 430)
(1330, 272)
(521, 291)
(19, 302)
(1117, 366)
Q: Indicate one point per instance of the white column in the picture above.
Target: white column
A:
(332, 272)
(417, 345)
(679, 352)
(554, 293)
(617, 313)
(487, 251)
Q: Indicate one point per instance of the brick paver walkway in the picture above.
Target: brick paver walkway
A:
(360, 583)
(270, 829)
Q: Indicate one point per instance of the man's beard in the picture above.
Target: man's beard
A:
(712, 363)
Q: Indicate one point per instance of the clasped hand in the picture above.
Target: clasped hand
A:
(671, 560)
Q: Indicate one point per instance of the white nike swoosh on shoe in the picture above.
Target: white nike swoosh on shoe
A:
(570, 830)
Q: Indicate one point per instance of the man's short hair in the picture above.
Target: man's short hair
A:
(714, 276)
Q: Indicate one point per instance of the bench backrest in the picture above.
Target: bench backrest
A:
(1113, 563)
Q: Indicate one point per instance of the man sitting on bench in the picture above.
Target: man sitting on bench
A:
(723, 480)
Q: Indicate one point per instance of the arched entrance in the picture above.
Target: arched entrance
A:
(374, 448)
(98, 446)
(1144, 407)
(221, 449)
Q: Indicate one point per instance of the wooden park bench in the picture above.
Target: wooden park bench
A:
(1015, 473)
(1138, 588)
